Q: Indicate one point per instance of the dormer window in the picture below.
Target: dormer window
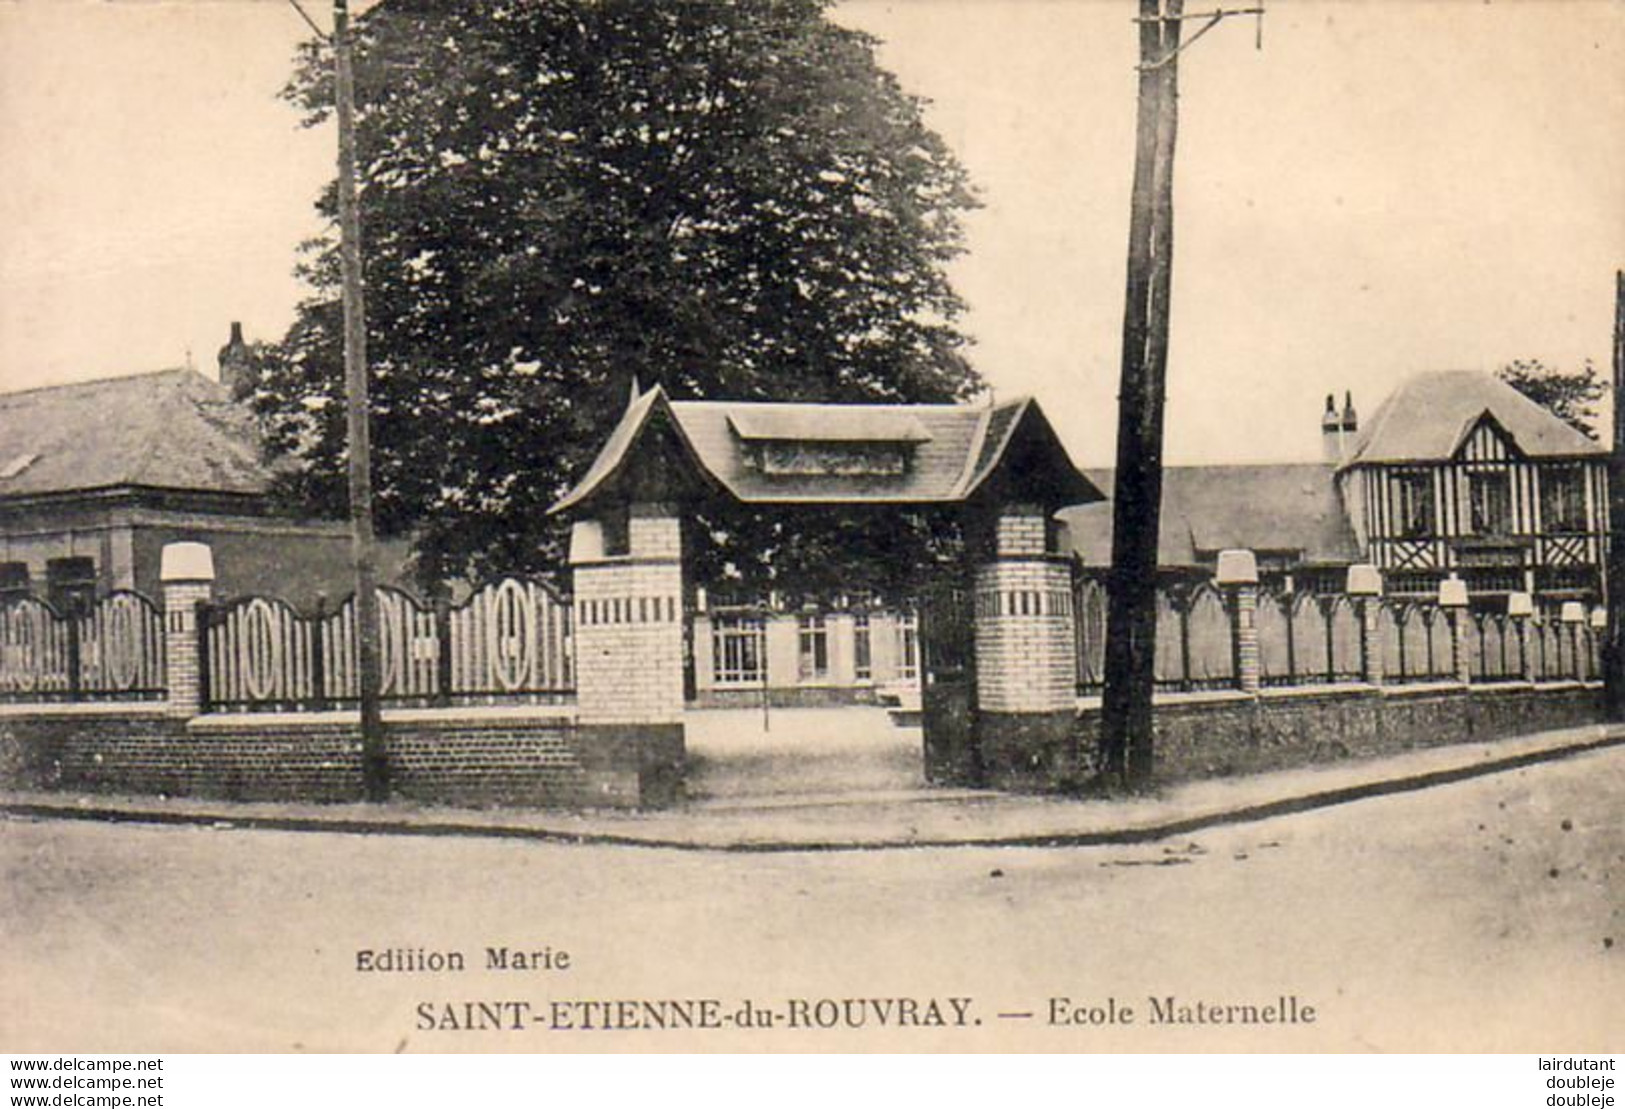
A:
(791, 443)
(847, 459)
(1489, 493)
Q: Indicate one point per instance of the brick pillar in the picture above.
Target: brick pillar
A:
(1572, 618)
(1364, 587)
(1238, 577)
(1520, 608)
(1026, 661)
(187, 574)
(1453, 599)
(628, 609)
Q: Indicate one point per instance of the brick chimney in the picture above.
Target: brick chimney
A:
(1337, 430)
(236, 367)
(1331, 433)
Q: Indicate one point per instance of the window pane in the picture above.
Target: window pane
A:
(738, 650)
(862, 666)
(814, 644)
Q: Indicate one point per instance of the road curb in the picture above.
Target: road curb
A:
(1148, 832)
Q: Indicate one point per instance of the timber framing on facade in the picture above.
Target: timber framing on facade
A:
(1457, 473)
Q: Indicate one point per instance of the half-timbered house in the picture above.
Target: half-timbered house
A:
(1455, 473)
(1458, 472)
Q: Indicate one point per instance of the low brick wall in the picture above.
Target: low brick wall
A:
(1230, 733)
(790, 697)
(472, 757)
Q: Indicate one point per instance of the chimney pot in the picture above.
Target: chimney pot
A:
(236, 368)
(1331, 433)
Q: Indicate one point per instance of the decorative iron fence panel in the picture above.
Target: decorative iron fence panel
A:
(1494, 652)
(1279, 658)
(509, 642)
(114, 650)
(1089, 608)
(1550, 655)
(33, 652)
(1211, 655)
(121, 648)
(1415, 642)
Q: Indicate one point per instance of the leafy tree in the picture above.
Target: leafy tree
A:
(726, 197)
(1571, 395)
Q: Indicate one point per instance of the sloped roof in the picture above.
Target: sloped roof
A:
(791, 421)
(1290, 507)
(954, 449)
(1427, 417)
(174, 429)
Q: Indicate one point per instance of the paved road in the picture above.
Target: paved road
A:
(1487, 915)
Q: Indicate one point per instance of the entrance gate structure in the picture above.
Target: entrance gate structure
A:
(998, 685)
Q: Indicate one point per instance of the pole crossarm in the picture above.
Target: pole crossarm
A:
(303, 14)
(1214, 18)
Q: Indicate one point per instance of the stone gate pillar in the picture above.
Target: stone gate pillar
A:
(1364, 588)
(186, 571)
(1026, 655)
(628, 627)
(1237, 575)
(1453, 599)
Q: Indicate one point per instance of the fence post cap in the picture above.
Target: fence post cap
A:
(186, 562)
(586, 541)
(1364, 580)
(1520, 604)
(1599, 618)
(1452, 593)
(1573, 612)
(1237, 567)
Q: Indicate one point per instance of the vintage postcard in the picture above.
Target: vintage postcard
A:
(883, 525)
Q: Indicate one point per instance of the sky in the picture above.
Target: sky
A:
(1384, 188)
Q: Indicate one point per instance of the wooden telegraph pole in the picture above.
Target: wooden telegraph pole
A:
(1614, 584)
(363, 544)
(1131, 619)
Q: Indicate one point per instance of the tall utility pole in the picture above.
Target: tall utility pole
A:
(1614, 645)
(1131, 615)
(363, 544)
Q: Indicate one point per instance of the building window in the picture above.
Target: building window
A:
(617, 531)
(739, 650)
(1489, 495)
(908, 646)
(863, 667)
(1410, 504)
(1562, 499)
(14, 580)
(813, 638)
(70, 584)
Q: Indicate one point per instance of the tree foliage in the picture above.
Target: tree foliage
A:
(726, 197)
(1572, 395)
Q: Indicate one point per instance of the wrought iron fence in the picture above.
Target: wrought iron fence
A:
(1315, 639)
(1561, 652)
(1195, 645)
(1415, 640)
(510, 641)
(1494, 650)
(112, 651)
(1307, 639)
